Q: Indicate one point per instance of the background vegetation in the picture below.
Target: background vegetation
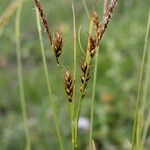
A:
(119, 64)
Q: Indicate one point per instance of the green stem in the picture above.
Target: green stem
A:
(93, 97)
(147, 70)
(147, 78)
(134, 141)
(72, 126)
(20, 76)
(79, 40)
(147, 124)
(75, 70)
(48, 83)
(75, 43)
(77, 120)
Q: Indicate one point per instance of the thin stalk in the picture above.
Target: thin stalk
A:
(147, 78)
(93, 97)
(72, 126)
(77, 120)
(86, 9)
(75, 70)
(79, 40)
(52, 106)
(145, 132)
(138, 102)
(20, 77)
(75, 43)
(147, 71)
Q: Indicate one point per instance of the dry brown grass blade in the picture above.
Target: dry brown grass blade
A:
(7, 14)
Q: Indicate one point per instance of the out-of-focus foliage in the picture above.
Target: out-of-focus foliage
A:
(119, 64)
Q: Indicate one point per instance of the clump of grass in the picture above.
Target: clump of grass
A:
(97, 29)
(139, 133)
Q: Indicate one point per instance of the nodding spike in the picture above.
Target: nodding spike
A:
(57, 44)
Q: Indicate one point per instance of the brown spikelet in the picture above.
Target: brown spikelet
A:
(108, 17)
(44, 19)
(97, 25)
(57, 44)
(96, 21)
(84, 78)
(93, 45)
(68, 81)
(93, 41)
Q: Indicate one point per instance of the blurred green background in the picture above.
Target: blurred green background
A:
(116, 89)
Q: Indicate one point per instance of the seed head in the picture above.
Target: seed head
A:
(84, 78)
(96, 20)
(108, 17)
(57, 44)
(44, 19)
(68, 81)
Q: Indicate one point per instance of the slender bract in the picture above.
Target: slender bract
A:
(20, 77)
(52, 106)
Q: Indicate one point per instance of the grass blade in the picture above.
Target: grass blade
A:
(147, 79)
(20, 76)
(135, 141)
(48, 83)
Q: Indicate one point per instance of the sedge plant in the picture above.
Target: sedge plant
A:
(96, 31)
